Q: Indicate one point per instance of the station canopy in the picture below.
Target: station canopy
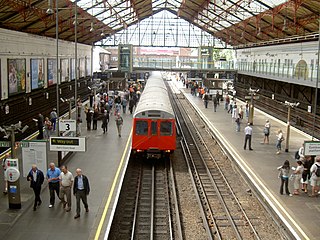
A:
(235, 22)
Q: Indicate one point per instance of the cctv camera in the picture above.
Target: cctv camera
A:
(24, 128)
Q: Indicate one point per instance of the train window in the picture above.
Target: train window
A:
(165, 128)
(141, 128)
(154, 128)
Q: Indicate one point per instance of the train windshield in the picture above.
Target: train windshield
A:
(165, 128)
(141, 128)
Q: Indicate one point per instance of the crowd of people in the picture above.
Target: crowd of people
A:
(61, 183)
(307, 169)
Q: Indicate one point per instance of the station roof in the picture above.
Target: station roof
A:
(236, 22)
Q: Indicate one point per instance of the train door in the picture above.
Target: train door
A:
(154, 134)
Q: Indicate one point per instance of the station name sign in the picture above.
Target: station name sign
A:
(72, 144)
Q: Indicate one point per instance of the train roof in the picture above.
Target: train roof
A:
(154, 101)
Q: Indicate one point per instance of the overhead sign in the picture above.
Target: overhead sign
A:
(311, 148)
(34, 153)
(254, 97)
(5, 144)
(72, 144)
(67, 125)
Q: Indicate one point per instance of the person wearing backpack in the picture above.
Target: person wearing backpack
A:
(315, 177)
(280, 139)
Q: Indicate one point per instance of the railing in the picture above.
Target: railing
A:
(292, 71)
(173, 64)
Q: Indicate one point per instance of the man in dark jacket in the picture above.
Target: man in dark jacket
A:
(81, 189)
(36, 179)
(105, 121)
(40, 126)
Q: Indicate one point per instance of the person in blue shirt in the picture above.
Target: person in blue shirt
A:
(53, 174)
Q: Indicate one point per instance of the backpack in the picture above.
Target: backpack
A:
(317, 172)
(296, 155)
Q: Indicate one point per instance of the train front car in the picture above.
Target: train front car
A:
(154, 130)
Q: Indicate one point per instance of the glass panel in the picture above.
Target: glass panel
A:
(154, 128)
(141, 128)
(165, 128)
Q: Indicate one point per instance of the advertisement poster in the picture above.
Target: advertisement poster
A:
(37, 76)
(72, 69)
(52, 72)
(16, 75)
(64, 70)
(88, 66)
(82, 67)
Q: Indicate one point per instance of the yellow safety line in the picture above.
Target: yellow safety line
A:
(112, 190)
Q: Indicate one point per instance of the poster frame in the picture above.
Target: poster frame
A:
(8, 78)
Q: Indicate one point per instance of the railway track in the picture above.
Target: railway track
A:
(222, 213)
(151, 210)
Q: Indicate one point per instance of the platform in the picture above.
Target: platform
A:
(104, 164)
(301, 212)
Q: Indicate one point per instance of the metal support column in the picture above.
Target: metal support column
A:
(76, 60)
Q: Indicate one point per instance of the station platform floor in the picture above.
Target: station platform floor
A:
(299, 211)
(104, 164)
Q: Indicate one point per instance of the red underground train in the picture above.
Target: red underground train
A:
(154, 129)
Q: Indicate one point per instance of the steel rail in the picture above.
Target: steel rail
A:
(175, 202)
(187, 155)
(136, 206)
(152, 204)
(224, 179)
(168, 205)
(230, 189)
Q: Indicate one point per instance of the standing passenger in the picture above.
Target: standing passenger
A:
(53, 118)
(81, 190)
(89, 119)
(284, 172)
(66, 181)
(95, 118)
(124, 105)
(205, 99)
(280, 138)
(119, 123)
(47, 128)
(36, 179)
(53, 174)
(266, 132)
(40, 126)
(248, 133)
(315, 177)
(105, 121)
(297, 177)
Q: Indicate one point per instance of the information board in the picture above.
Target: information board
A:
(73, 144)
(311, 148)
(35, 152)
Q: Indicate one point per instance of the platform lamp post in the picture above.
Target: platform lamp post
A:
(290, 106)
(252, 93)
(316, 91)
(76, 62)
(49, 12)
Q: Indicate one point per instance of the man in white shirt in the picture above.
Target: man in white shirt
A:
(248, 133)
(315, 180)
(66, 181)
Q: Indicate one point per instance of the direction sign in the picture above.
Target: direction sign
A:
(5, 144)
(67, 125)
(72, 144)
(311, 148)
(249, 97)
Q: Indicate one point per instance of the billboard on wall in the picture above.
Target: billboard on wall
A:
(16, 76)
(52, 72)
(82, 67)
(64, 70)
(88, 66)
(72, 69)
(37, 75)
